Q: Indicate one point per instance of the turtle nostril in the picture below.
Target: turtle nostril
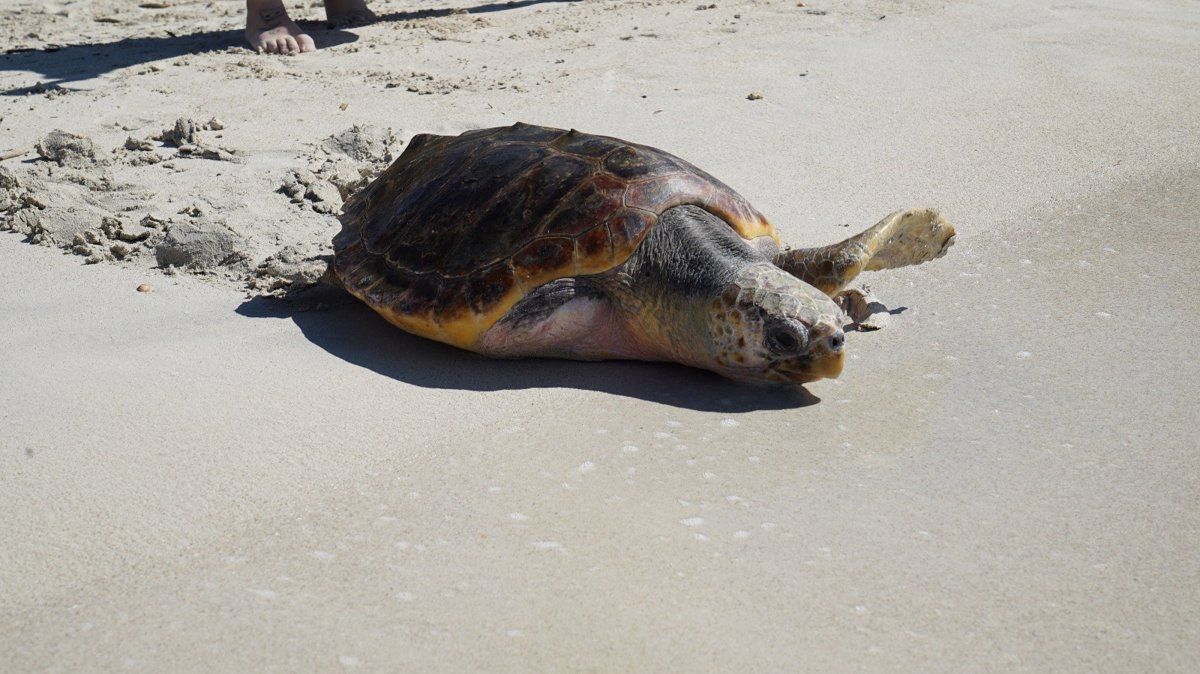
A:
(836, 340)
(827, 336)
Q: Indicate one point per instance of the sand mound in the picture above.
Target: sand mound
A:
(179, 201)
(67, 149)
(363, 143)
(202, 244)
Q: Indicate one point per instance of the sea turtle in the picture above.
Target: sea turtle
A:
(531, 241)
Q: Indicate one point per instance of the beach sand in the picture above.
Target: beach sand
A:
(204, 478)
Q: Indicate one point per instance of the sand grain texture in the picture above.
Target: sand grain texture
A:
(200, 478)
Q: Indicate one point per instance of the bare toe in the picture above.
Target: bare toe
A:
(270, 30)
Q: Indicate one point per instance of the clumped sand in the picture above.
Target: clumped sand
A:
(93, 202)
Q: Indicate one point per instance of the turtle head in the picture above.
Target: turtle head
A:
(769, 326)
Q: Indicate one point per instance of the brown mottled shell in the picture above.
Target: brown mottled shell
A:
(456, 231)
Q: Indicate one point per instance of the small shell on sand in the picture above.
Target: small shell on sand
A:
(145, 288)
(754, 96)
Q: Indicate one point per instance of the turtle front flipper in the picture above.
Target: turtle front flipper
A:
(902, 238)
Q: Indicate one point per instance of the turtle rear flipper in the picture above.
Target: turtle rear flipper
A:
(903, 238)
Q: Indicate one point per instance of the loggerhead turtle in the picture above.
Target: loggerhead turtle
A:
(530, 241)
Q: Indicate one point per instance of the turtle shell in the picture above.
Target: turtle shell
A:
(458, 229)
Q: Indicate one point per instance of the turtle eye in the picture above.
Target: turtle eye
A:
(785, 337)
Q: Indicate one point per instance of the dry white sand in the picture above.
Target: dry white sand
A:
(1007, 477)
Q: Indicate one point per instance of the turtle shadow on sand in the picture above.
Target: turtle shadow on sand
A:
(354, 333)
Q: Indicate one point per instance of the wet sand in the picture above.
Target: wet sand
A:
(1005, 477)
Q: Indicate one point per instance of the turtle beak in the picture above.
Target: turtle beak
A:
(827, 345)
(824, 357)
(828, 367)
(826, 350)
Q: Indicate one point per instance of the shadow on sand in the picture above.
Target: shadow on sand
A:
(58, 66)
(76, 63)
(486, 8)
(357, 335)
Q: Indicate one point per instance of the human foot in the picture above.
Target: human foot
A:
(270, 30)
(341, 13)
